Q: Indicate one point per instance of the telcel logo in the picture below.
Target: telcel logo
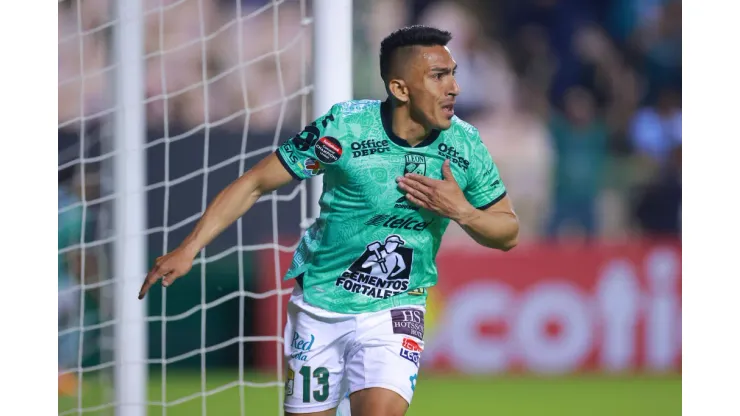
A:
(396, 222)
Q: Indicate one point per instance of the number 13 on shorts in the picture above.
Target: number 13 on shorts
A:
(313, 382)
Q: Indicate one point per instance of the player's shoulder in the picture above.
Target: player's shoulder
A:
(465, 128)
(353, 116)
(352, 109)
(464, 135)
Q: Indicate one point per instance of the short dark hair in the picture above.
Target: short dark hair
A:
(416, 35)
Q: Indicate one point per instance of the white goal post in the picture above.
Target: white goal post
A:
(333, 82)
(129, 260)
(124, 142)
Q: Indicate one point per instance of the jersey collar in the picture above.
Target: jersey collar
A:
(386, 116)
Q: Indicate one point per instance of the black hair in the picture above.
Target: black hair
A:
(416, 35)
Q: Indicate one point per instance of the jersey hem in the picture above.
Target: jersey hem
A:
(492, 203)
(287, 166)
(385, 304)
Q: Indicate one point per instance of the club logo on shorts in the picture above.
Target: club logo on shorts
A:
(382, 271)
(301, 346)
(328, 149)
(412, 379)
(289, 382)
(411, 350)
(408, 321)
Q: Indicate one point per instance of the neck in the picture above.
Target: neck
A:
(405, 127)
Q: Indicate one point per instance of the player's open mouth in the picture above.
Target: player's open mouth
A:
(449, 110)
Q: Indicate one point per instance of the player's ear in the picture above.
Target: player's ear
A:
(398, 88)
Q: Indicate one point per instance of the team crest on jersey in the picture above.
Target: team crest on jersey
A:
(381, 271)
(414, 164)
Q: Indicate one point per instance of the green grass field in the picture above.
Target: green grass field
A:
(435, 395)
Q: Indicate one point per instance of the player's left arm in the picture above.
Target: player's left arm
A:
(496, 226)
(489, 216)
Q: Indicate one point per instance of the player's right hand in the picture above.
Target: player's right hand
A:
(168, 268)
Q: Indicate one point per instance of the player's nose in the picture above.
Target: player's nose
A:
(454, 88)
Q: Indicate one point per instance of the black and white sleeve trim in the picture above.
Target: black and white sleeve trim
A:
(286, 166)
(492, 203)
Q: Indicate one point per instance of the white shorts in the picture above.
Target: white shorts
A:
(331, 354)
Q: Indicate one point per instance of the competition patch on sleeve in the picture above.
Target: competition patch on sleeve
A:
(311, 167)
(328, 149)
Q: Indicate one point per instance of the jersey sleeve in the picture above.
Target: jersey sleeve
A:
(309, 152)
(485, 186)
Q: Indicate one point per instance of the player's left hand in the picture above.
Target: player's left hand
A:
(443, 197)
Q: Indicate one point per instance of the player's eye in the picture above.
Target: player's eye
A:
(439, 75)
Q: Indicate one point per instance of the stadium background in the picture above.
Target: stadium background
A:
(579, 103)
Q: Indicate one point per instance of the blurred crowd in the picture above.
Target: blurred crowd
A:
(578, 101)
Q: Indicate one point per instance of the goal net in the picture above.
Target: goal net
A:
(224, 83)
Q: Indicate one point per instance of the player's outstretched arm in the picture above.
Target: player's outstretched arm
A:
(496, 226)
(230, 204)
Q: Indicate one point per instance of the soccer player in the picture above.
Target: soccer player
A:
(395, 173)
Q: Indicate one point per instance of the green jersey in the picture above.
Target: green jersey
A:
(370, 249)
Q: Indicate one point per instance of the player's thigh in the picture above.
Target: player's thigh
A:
(314, 356)
(377, 401)
(382, 376)
(386, 356)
